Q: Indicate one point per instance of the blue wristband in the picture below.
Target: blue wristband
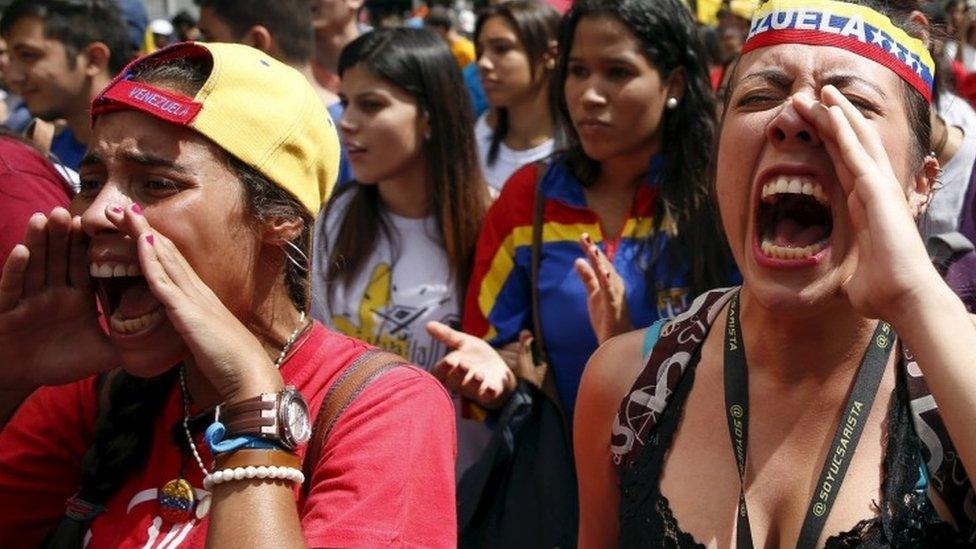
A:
(214, 436)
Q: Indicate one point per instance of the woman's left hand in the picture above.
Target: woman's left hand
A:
(224, 350)
(893, 271)
(605, 292)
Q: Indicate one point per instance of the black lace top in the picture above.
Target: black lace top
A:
(905, 517)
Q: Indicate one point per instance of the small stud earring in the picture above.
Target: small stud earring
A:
(671, 103)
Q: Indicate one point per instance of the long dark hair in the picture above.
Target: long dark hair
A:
(667, 34)
(420, 63)
(125, 423)
(535, 24)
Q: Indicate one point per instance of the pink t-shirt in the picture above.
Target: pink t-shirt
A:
(386, 477)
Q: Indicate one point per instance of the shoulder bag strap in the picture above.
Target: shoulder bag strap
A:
(356, 377)
(538, 209)
(538, 344)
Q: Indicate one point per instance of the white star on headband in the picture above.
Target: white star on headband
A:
(878, 39)
(895, 50)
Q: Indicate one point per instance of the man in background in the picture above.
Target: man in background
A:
(442, 21)
(336, 24)
(280, 28)
(62, 53)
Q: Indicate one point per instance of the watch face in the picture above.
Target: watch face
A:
(296, 420)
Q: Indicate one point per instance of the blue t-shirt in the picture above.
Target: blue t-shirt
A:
(67, 149)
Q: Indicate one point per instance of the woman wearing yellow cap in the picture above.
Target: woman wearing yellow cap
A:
(784, 412)
(186, 419)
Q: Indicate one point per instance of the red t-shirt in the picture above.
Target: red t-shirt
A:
(386, 477)
(28, 184)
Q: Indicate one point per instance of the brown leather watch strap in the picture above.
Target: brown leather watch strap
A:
(251, 405)
(257, 458)
(250, 416)
(251, 426)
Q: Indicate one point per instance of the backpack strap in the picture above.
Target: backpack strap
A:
(352, 381)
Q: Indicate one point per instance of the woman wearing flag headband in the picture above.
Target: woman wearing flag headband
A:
(829, 399)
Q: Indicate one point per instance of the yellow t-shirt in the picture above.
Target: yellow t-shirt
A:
(463, 50)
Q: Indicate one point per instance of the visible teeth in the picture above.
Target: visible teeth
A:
(132, 325)
(794, 185)
(112, 270)
(785, 252)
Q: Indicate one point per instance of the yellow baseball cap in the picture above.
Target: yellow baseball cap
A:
(256, 108)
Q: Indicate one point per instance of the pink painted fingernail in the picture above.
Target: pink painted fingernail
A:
(137, 209)
(116, 209)
(150, 239)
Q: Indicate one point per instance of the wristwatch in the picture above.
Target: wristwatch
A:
(281, 417)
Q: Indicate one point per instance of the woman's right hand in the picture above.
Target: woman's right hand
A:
(473, 368)
(49, 330)
(606, 293)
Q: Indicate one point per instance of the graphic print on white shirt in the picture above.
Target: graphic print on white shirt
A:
(402, 286)
(391, 300)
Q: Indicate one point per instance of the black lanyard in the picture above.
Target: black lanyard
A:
(846, 437)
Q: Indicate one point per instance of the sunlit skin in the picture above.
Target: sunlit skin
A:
(762, 123)
(40, 71)
(512, 82)
(187, 192)
(616, 96)
(840, 119)
(506, 73)
(384, 132)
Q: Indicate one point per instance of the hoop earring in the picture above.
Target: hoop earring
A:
(671, 103)
(304, 265)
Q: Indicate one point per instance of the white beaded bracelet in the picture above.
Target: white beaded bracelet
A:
(251, 472)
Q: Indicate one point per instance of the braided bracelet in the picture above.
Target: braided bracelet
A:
(251, 472)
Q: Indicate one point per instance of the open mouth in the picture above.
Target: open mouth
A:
(125, 297)
(794, 218)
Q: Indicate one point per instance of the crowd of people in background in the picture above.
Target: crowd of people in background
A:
(323, 272)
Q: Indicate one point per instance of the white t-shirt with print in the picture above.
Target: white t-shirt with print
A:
(403, 285)
(508, 160)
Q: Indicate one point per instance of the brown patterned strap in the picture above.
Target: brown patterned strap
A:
(257, 458)
(647, 398)
(356, 377)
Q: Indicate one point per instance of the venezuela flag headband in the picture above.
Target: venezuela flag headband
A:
(857, 29)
